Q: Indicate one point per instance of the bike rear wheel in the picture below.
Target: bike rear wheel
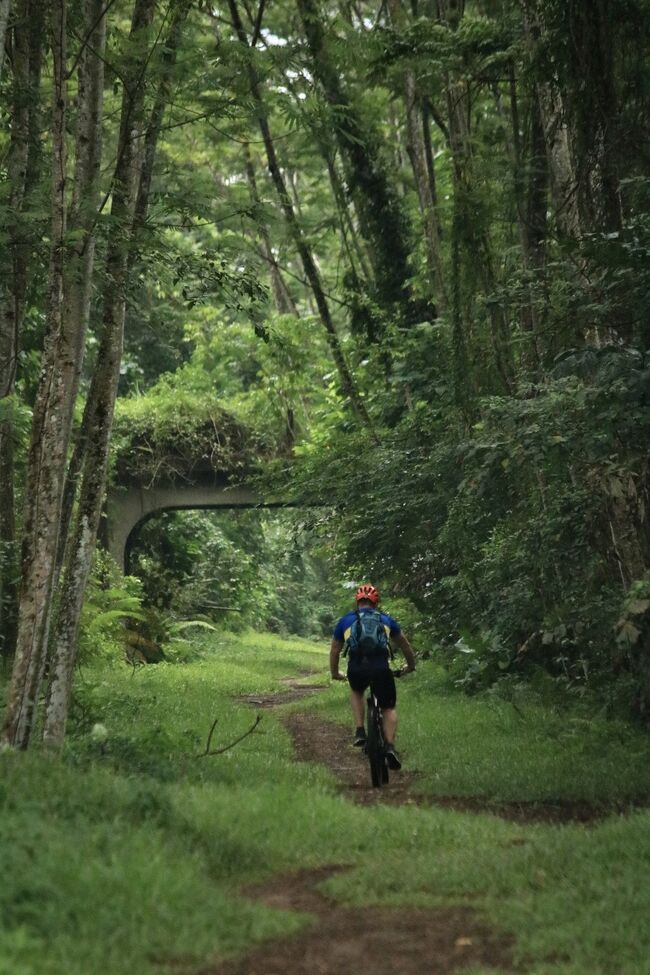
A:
(375, 748)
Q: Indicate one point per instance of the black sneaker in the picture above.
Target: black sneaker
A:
(360, 740)
(392, 758)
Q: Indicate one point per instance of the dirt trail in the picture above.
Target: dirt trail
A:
(377, 940)
(316, 740)
(380, 940)
(340, 939)
(321, 741)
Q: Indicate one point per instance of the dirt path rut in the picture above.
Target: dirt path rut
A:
(340, 939)
(380, 941)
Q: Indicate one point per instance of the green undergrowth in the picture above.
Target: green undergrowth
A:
(129, 854)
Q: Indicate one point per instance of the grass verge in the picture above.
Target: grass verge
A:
(127, 855)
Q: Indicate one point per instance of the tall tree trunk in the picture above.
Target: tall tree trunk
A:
(4, 20)
(422, 174)
(168, 60)
(382, 220)
(50, 433)
(422, 171)
(467, 219)
(553, 113)
(311, 272)
(22, 171)
(360, 268)
(284, 302)
(595, 110)
(530, 186)
(10, 313)
(127, 190)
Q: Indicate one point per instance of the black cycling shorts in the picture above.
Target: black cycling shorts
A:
(383, 684)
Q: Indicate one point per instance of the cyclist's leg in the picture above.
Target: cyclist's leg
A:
(390, 724)
(358, 707)
(358, 683)
(384, 687)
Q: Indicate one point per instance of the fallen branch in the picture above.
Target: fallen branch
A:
(220, 751)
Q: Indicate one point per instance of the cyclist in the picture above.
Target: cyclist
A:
(363, 671)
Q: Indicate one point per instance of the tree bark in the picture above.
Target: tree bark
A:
(284, 302)
(422, 171)
(168, 60)
(50, 434)
(553, 113)
(103, 390)
(152, 135)
(381, 218)
(467, 221)
(530, 171)
(4, 20)
(10, 313)
(22, 171)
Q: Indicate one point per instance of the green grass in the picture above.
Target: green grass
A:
(488, 747)
(128, 854)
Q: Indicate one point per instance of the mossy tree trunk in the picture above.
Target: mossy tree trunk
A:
(22, 171)
(372, 188)
(135, 157)
(50, 433)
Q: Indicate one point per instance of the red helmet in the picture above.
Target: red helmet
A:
(366, 591)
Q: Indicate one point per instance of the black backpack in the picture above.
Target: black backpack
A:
(368, 637)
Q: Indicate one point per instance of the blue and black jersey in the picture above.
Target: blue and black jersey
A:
(344, 626)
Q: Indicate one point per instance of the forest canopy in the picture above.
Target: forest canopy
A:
(391, 260)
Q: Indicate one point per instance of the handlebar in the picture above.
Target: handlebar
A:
(402, 672)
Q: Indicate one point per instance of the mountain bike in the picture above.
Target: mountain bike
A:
(376, 746)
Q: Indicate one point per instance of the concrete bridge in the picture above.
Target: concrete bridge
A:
(130, 505)
(204, 465)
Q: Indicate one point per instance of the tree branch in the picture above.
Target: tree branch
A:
(220, 751)
(258, 23)
(89, 34)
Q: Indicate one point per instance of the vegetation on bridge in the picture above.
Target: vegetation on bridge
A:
(178, 433)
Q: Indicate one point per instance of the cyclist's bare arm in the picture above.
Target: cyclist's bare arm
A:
(407, 650)
(335, 653)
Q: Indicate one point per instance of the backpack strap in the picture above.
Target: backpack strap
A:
(346, 648)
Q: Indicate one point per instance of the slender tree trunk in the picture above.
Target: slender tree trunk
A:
(468, 223)
(360, 268)
(422, 171)
(428, 153)
(311, 272)
(127, 185)
(50, 434)
(424, 175)
(553, 113)
(531, 201)
(152, 135)
(168, 60)
(284, 302)
(382, 220)
(4, 20)
(22, 174)
(10, 313)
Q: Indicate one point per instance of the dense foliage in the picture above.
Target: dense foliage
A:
(392, 262)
